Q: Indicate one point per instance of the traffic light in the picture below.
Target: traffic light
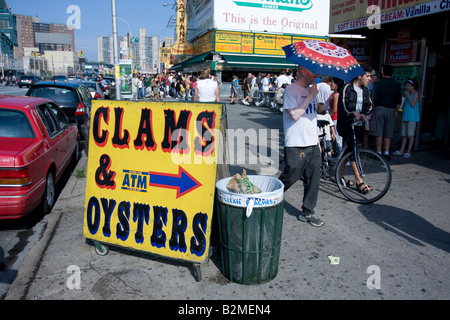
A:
(35, 54)
(81, 54)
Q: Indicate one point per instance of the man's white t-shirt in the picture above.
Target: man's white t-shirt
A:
(303, 132)
(359, 99)
(324, 94)
(265, 84)
(281, 80)
(206, 90)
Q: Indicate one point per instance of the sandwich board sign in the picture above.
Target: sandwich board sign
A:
(151, 176)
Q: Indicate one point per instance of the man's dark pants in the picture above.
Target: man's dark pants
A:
(307, 169)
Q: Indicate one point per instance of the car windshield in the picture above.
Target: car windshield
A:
(63, 96)
(14, 124)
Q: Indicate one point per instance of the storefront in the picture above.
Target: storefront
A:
(237, 53)
(415, 39)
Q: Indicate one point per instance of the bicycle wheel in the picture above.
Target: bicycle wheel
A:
(374, 171)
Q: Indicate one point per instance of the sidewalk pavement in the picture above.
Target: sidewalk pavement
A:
(397, 248)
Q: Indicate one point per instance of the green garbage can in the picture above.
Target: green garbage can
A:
(250, 228)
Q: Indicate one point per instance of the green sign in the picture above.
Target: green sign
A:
(288, 5)
(134, 39)
(403, 73)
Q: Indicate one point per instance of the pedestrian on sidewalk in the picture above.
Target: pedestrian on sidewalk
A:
(387, 97)
(355, 103)
(410, 118)
(336, 85)
(155, 88)
(247, 88)
(234, 92)
(206, 89)
(301, 145)
(134, 87)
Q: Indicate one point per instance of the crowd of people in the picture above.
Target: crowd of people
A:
(375, 98)
(176, 85)
(261, 89)
(182, 87)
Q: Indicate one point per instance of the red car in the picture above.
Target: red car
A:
(37, 143)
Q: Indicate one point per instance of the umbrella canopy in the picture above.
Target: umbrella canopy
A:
(324, 58)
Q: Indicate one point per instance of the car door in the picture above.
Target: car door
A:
(68, 135)
(55, 137)
(86, 99)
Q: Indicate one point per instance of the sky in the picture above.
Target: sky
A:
(95, 18)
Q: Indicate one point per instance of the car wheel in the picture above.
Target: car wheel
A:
(49, 197)
(20, 87)
(77, 153)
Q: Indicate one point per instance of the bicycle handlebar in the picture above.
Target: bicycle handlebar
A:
(358, 123)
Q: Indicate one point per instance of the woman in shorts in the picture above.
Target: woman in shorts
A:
(410, 117)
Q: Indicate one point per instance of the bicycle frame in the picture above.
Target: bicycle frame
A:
(326, 160)
(372, 169)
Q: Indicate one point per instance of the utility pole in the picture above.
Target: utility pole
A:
(116, 49)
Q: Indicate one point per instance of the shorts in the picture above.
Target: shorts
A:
(382, 122)
(409, 129)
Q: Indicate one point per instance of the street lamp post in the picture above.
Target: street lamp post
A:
(116, 48)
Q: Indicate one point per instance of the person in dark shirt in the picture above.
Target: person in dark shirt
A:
(386, 98)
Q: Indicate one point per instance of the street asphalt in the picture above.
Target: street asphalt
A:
(395, 249)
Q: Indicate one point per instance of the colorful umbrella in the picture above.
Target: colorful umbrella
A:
(324, 58)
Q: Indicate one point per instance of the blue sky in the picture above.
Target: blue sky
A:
(96, 18)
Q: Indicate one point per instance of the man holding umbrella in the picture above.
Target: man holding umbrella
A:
(302, 153)
(301, 149)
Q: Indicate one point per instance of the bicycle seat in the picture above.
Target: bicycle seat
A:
(322, 123)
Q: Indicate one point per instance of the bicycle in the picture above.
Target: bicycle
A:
(371, 166)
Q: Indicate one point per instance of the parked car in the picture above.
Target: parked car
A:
(94, 88)
(58, 78)
(74, 98)
(27, 81)
(37, 144)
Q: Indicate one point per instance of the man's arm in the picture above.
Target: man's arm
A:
(297, 112)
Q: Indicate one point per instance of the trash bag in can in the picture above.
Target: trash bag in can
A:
(250, 227)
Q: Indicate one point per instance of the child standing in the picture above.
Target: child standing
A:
(328, 129)
(411, 115)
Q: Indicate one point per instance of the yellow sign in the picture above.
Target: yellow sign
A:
(248, 41)
(181, 46)
(253, 43)
(151, 176)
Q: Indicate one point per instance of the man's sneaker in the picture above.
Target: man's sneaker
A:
(311, 219)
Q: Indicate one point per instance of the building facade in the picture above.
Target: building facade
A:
(45, 49)
(142, 50)
(8, 41)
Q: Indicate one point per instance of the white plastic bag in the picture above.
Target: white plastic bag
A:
(271, 195)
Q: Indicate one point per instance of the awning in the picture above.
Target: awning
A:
(190, 62)
(257, 62)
